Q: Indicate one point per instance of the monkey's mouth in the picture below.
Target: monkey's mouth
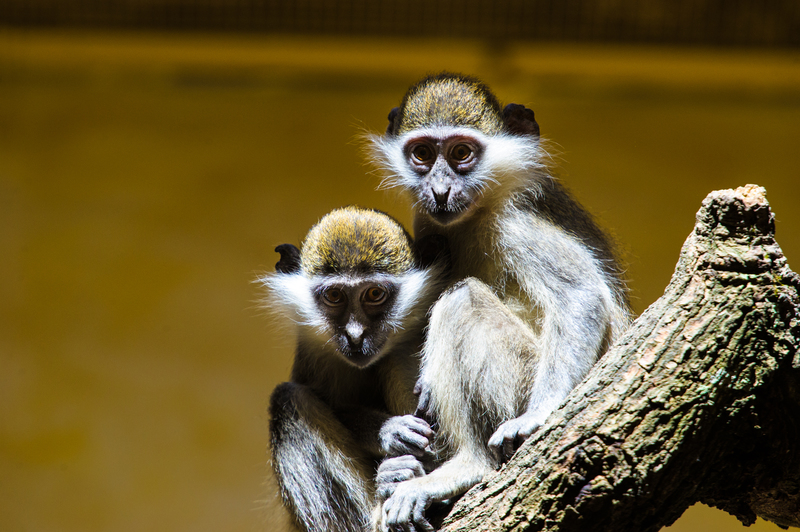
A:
(450, 211)
(448, 214)
(360, 359)
(360, 355)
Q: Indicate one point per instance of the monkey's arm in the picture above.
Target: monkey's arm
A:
(319, 464)
(562, 276)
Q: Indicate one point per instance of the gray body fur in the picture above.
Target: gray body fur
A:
(340, 415)
(536, 297)
(325, 426)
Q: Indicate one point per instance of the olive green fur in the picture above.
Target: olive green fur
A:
(450, 100)
(357, 240)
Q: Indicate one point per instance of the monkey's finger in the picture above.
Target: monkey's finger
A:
(405, 435)
(397, 528)
(405, 512)
(414, 443)
(508, 448)
(385, 491)
(400, 474)
(397, 511)
(428, 416)
(407, 527)
(521, 437)
(389, 514)
(419, 425)
(495, 448)
(526, 430)
(419, 516)
(393, 476)
(501, 444)
(409, 434)
(424, 392)
(399, 463)
(404, 448)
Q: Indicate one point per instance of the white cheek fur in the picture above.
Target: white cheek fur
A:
(291, 296)
(413, 288)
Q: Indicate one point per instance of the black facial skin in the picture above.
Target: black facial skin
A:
(446, 189)
(357, 315)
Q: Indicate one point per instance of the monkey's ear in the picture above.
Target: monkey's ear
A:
(433, 248)
(391, 129)
(290, 259)
(520, 120)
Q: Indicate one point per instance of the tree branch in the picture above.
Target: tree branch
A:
(697, 402)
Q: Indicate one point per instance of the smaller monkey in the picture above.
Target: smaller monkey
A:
(359, 292)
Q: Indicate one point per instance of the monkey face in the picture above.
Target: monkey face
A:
(445, 171)
(455, 149)
(358, 317)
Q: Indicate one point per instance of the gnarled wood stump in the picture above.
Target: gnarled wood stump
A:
(699, 401)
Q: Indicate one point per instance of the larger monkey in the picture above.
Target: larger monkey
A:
(359, 291)
(537, 294)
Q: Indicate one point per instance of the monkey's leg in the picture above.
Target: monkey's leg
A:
(580, 310)
(324, 474)
(474, 375)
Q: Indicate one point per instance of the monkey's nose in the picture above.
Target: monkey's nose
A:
(355, 331)
(441, 197)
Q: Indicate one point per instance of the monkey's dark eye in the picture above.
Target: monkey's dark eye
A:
(333, 297)
(375, 295)
(422, 153)
(461, 153)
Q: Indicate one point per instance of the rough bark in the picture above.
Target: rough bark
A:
(697, 402)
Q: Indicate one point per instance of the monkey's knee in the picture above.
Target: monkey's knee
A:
(469, 287)
(284, 397)
(460, 304)
(291, 400)
(284, 408)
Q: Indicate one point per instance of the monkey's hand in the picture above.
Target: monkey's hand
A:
(510, 435)
(405, 509)
(393, 471)
(403, 435)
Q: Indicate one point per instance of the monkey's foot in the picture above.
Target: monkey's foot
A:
(405, 509)
(393, 471)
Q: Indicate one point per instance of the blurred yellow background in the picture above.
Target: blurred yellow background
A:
(146, 178)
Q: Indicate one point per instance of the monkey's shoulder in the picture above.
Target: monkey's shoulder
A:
(554, 207)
